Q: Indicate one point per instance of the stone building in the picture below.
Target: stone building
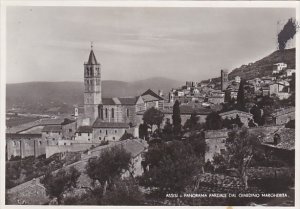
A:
(24, 145)
(120, 110)
(244, 116)
(151, 99)
(84, 133)
(185, 113)
(282, 116)
(63, 131)
(215, 143)
(111, 131)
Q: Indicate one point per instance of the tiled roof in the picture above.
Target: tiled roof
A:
(153, 95)
(287, 139)
(92, 59)
(22, 136)
(128, 100)
(67, 121)
(52, 128)
(235, 112)
(84, 129)
(100, 124)
(120, 101)
(108, 101)
(188, 110)
(279, 112)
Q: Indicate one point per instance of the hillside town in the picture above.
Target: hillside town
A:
(219, 136)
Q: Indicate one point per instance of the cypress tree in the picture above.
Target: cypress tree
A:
(241, 96)
(176, 119)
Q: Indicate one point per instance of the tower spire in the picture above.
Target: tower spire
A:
(92, 58)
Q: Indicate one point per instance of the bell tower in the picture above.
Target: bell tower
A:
(92, 87)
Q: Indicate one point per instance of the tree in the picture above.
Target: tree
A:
(241, 96)
(124, 192)
(251, 123)
(192, 122)
(176, 119)
(241, 146)
(167, 133)
(62, 181)
(227, 123)
(213, 121)
(238, 121)
(109, 165)
(257, 116)
(171, 167)
(143, 131)
(227, 97)
(152, 117)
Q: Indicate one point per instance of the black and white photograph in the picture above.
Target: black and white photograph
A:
(147, 105)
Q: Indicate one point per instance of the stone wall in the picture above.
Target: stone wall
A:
(74, 147)
(25, 147)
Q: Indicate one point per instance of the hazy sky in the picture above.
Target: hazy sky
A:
(52, 43)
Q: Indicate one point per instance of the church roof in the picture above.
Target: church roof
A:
(150, 95)
(84, 129)
(120, 101)
(100, 124)
(52, 128)
(92, 59)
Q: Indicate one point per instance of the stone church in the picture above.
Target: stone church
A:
(105, 118)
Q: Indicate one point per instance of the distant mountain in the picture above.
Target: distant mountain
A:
(47, 97)
(263, 67)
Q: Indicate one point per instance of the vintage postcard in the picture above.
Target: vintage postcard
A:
(156, 103)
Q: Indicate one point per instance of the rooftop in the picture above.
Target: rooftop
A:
(235, 112)
(283, 111)
(22, 136)
(84, 129)
(92, 59)
(150, 95)
(287, 139)
(100, 124)
(188, 110)
(120, 101)
(52, 128)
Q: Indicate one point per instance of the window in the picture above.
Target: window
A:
(127, 112)
(115, 131)
(112, 113)
(88, 134)
(100, 132)
(106, 132)
(114, 138)
(79, 134)
(47, 132)
(106, 113)
(99, 138)
(70, 130)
